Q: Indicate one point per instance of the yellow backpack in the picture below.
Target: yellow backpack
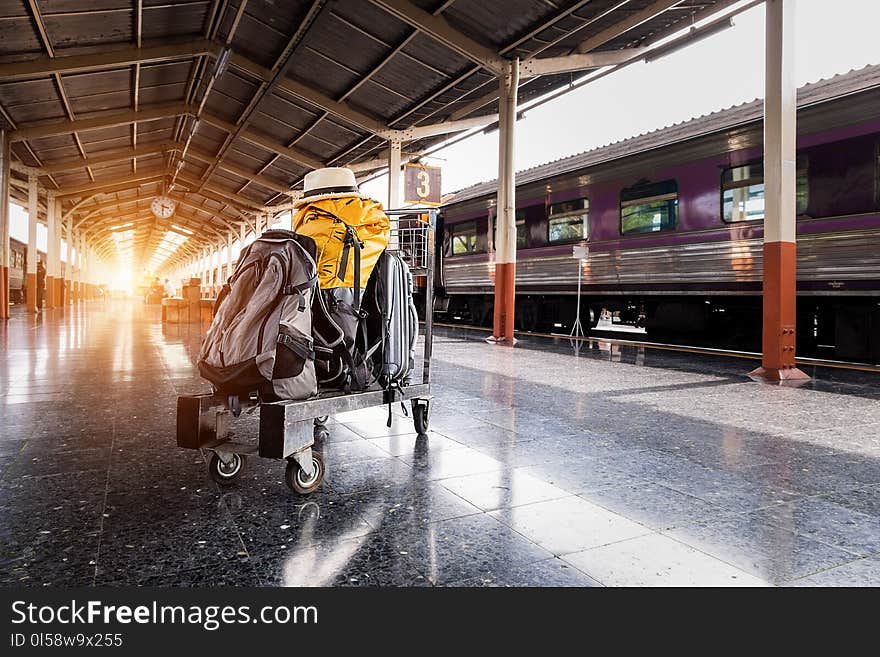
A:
(350, 234)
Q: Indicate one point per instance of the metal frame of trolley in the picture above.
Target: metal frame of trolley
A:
(288, 429)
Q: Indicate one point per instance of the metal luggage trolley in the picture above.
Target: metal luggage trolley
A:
(288, 429)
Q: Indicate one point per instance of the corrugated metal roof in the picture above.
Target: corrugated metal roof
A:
(817, 92)
(258, 135)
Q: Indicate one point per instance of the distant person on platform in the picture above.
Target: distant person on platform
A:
(169, 288)
(41, 284)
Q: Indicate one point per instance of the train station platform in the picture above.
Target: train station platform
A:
(544, 467)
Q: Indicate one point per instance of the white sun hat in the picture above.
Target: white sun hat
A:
(330, 182)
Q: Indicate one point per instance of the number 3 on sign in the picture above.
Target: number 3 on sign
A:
(422, 184)
(424, 188)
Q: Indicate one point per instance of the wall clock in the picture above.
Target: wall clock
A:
(162, 207)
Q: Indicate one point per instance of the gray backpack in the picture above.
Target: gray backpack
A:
(390, 325)
(260, 339)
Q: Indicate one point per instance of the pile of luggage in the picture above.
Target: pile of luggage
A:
(322, 307)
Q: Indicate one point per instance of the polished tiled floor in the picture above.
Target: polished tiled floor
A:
(543, 467)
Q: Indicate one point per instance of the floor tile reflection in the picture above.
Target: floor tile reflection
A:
(542, 467)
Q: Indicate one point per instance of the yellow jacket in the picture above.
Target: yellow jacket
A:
(327, 221)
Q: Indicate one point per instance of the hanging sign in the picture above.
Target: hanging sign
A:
(421, 184)
(580, 251)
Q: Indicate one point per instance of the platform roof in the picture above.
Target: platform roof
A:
(227, 104)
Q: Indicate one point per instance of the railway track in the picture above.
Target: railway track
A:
(709, 351)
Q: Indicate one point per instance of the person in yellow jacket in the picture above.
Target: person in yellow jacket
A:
(347, 227)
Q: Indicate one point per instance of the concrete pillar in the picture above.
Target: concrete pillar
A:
(394, 174)
(68, 268)
(53, 265)
(84, 279)
(218, 269)
(63, 236)
(228, 257)
(81, 269)
(77, 264)
(505, 222)
(780, 199)
(89, 270)
(32, 296)
(4, 224)
(394, 198)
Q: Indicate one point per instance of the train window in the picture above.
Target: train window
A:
(568, 221)
(649, 207)
(742, 191)
(522, 233)
(463, 237)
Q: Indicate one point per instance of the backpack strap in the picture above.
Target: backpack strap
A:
(351, 241)
(224, 292)
(300, 346)
(299, 290)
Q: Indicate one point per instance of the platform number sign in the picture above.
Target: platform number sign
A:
(421, 184)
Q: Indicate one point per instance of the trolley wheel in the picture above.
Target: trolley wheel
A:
(298, 481)
(420, 418)
(225, 474)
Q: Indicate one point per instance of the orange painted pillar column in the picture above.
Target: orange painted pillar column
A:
(67, 281)
(4, 224)
(505, 217)
(780, 172)
(52, 248)
(78, 272)
(32, 255)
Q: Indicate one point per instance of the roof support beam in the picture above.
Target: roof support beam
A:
(106, 121)
(214, 216)
(342, 110)
(257, 179)
(267, 86)
(93, 210)
(444, 128)
(47, 66)
(189, 222)
(96, 210)
(612, 32)
(106, 185)
(226, 194)
(120, 155)
(628, 23)
(440, 30)
(578, 62)
(244, 212)
(293, 154)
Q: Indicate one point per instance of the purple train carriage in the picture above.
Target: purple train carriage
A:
(673, 221)
(17, 264)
